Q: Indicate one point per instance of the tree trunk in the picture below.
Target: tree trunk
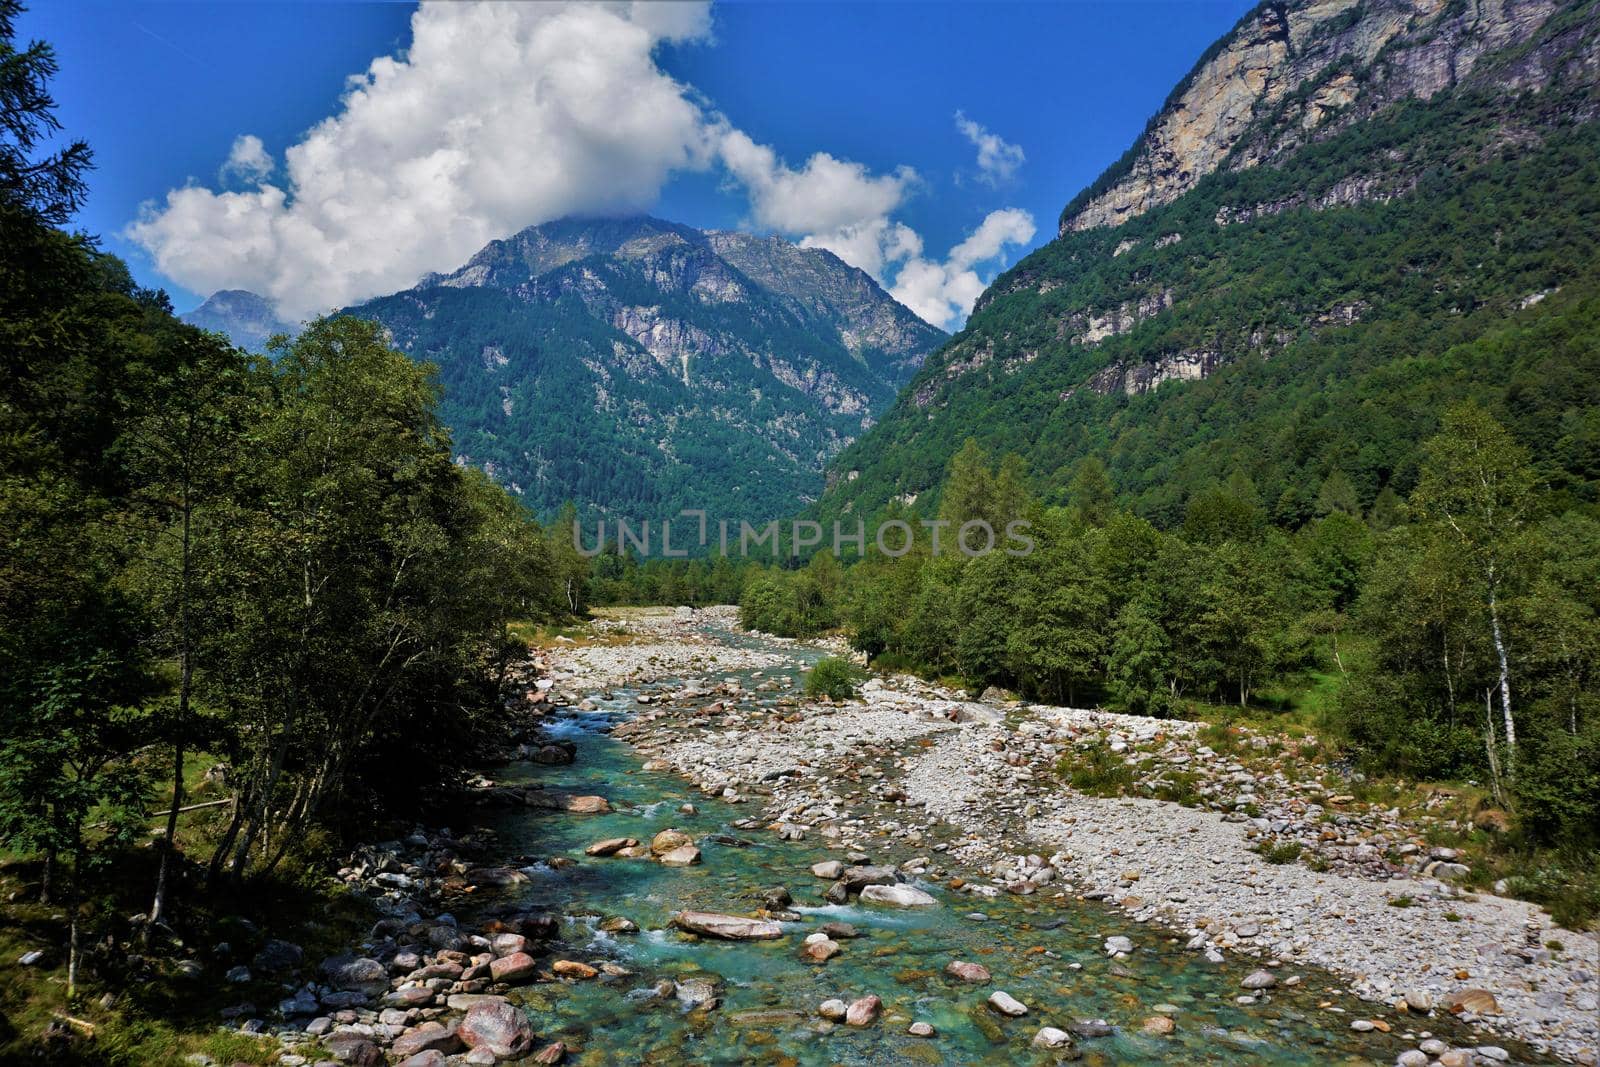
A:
(1505, 686)
(1488, 738)
(169, 845)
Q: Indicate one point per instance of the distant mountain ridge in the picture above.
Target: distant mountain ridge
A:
(637, 366)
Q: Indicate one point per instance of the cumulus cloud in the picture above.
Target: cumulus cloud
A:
(501, 116)
(248, 161)
(998, 159)
(498, 116)
(943, 293)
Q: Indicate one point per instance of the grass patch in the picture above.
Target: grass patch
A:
(1096, 771)
(1281, 852)
(1401, 902)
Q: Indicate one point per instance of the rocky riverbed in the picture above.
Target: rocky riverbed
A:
(688, 861)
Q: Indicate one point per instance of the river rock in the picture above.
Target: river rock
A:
(573, 969)
(430, 1036)
(513, 968)
(554, 1052)
(499, 1027)
(727, 927)
(587, 805)
(669, 840)
(610, 846)
(427, 1058)
(353, 1048)
(1412, 1058)
(838, 931)
(921, 1029)
(863, 1012)
(1259, 980)
(833, 1009)
(1050, 1037)
(899, 896)
(819, 951)
(1118, 945)
(829, 869)
(1159, 1024)
(1006, 1004)
(1477, 1001)
(619, 925)
(698, 992)
(684, 856)
(356, 974)
(967, 972)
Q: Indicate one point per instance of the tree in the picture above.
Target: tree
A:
(968, 491)
(1139, 660)
(183, 451)
(48, 187)
(1474, 490)
(1338, 494)
(1093, 499)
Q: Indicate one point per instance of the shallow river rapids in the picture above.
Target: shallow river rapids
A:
(1047, 953)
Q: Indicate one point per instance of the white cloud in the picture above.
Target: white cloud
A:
(998, 159)
(501, 116)
(248, 161)
(498, 116)
(943, 293)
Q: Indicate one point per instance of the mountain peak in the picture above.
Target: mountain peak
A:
(246, 318)
(1295, 73)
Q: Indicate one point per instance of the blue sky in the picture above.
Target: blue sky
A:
(719, 119)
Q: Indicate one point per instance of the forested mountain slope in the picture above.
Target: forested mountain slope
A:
(1347, 217)
(636, 366)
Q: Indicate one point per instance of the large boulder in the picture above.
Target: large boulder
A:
(899, 896)
(669, 841)
(498, 1026)
(587, 805)
(513, 968)
(429, 1037)
(356, 974)
(353, 1048)
(727, 927)
(684, 856)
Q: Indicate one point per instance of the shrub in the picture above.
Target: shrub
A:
(833, 678)
(1281, 852)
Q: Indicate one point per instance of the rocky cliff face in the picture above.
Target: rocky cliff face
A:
(1292, 73)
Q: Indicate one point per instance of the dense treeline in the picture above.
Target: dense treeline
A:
(271, 561)
(1459, 626)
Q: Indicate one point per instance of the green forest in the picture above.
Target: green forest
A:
(1452, 635)
(212, 557)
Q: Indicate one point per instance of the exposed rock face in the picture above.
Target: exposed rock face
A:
(1310, 67)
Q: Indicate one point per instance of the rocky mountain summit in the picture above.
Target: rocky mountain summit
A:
(638, 366)
(1295, 73)
(245, 318)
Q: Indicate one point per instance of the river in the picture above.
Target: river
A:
(1046, 951)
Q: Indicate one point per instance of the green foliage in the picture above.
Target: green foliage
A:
(1094, 770)
(833, 677)
(1281, 851)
